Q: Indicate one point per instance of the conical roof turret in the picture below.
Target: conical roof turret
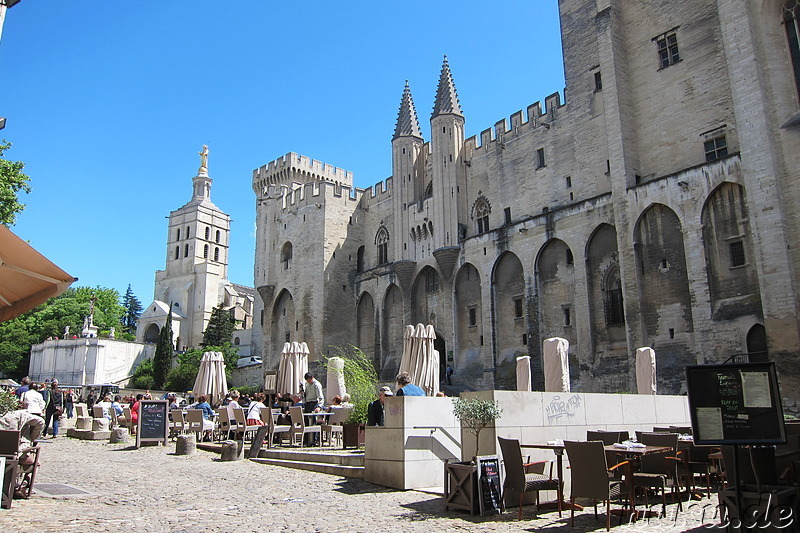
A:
(407, 123)
(446, 95)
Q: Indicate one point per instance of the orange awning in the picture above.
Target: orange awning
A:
(27, 278)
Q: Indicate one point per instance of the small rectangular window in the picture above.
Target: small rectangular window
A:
(716, 148)
(568, 180)
(473, 316)
(507, 213)
(737, 253)
(598, 81)
(667, 44)
(517, 307)
(567, 317)
(540, 162)
(524, 339)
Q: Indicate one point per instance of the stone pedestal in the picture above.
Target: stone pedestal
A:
(83, 422)
(232, 450)
(118, 435)
(99, 424)
(187, 444)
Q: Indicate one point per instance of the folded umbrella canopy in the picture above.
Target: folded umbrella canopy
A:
(27, 278)
(420, 359)
(211, 379)
(292, 367)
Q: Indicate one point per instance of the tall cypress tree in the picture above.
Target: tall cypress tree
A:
(162, 360)
(133, 310)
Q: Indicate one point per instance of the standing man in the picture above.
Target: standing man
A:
(312, 398)
(22, 389)
(375, 412)
(312, 394)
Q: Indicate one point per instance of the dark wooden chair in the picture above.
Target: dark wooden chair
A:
(21, 465)
(519, 479)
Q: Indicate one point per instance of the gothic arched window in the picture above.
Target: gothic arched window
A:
(177, 252)
(791, 13)
(208, 232)
(205, 252)
(480, 212)
(216, 254)
(218, 234)
(382, 242)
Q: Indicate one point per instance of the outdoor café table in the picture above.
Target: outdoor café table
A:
(632, 455)
(558, 449)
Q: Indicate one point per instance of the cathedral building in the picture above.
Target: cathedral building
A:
(655, 206)
(194, 281)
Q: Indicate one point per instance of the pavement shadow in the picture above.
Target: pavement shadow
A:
(357, 486)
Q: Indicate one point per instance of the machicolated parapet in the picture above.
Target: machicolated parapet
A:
(296, 168)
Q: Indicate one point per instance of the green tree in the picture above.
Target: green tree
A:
(184, 374)
(220, 328)
(15, 348)
(143, 376)
(162, 360)
(12, 181)
(133, 310)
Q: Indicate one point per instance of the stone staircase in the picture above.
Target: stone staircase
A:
(337, 462)
(345, 463)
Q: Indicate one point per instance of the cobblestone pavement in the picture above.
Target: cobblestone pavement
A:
(152, 490)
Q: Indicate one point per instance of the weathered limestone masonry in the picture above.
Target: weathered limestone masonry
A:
(655, 207)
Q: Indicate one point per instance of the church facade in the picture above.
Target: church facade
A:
(655, 206)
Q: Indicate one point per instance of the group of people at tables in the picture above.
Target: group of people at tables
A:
(311, 400)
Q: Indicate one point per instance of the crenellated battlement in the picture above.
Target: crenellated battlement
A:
(501, 131)
(297, 168)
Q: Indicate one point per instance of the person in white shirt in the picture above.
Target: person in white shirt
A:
(34, 400)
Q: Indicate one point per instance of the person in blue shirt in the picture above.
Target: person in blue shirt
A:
(406, 387)
(208, 416)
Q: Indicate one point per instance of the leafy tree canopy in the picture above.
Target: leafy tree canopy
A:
(12, 181)
(182, 377)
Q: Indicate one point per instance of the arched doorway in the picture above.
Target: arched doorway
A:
(151, 333)
(757, 344)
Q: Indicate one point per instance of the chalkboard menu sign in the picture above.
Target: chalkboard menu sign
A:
(153, 422)
(735, 404)
(488, 484)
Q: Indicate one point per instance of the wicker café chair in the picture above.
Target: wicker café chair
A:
(659, 470)
(518, 479)
(592, 478)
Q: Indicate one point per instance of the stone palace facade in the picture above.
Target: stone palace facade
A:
(655, 206)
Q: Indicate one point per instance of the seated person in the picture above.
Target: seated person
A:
(208, 416)
(254, 410)
(346, 401)
(375, 413)
(106, 405)
(30, 426)
(406, 387)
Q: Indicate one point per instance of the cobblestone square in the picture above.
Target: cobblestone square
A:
(150, 489)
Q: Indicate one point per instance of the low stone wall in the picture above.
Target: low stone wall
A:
(421, 432)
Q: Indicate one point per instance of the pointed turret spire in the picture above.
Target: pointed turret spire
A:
(446, 95)
(407, 123)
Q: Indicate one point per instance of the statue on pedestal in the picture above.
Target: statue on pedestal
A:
(204, 158)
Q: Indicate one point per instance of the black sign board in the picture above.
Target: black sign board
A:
(488, 484)
(735, 404)
(153, 422)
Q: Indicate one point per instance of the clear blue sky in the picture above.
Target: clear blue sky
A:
(109, 102)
